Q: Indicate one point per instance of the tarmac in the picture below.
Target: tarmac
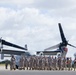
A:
(4, 71)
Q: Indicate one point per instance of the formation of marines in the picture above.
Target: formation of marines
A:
(43, 63)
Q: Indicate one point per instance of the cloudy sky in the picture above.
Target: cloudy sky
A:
(35, 22)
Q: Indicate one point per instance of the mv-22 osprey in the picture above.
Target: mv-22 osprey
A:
(61, 47)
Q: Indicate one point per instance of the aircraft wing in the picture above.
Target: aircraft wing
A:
(11, 44)
(48, 52)
(15, 52)
(53, 47)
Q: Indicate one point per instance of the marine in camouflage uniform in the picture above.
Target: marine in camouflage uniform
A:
(40, 63)
(49, 63)
(12, 63)
(43, 65)
(22, 63)
(74, 64)
(52, 61)
(70, 63)
(55, 63)
(64, 63)
(27, 63)
(46, 63)
(35, 63)
(30, 63)
(59, 63)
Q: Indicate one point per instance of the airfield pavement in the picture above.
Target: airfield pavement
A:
(3, 71)
(36, 72)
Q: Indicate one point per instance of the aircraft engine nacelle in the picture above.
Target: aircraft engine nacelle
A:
(58, 54)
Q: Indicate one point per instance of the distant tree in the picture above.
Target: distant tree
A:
(3, 62)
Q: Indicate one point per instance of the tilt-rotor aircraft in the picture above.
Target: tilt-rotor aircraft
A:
(61, 47)
(20, 50)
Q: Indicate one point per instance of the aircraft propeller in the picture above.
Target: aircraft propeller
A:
(64, 41)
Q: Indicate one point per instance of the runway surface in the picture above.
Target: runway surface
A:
(3, 71)
(34, 72)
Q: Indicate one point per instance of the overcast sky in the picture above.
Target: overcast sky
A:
(35, 22)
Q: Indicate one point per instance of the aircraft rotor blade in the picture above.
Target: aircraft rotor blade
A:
(62, 33)
(71, 45)
(11, 44)
(53, 47)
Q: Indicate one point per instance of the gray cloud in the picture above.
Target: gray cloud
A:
(53, 4)
(35, 23)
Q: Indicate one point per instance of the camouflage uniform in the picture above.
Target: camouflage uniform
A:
(27, 63)
(59, 63)
(74, 64)
(68, 63)
(64, 63)
(43, 64)
(55, 63)
(40, 63)
(30, 63)
(52, 61)
(22, 62)
(12, 63)
(46, 63)
(49, 63)
(35, 62)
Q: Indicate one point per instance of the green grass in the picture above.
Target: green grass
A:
(2, 64)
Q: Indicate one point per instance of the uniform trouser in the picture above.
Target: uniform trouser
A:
(27, 66)
(12, 66)
(69, 66)
(40, 66)
(43, 66)
(30, 66)
(64, 66)
(48, 66)
(74, 66)
(6, 66)
(55, 67)
(22, 65)
(59, 66)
